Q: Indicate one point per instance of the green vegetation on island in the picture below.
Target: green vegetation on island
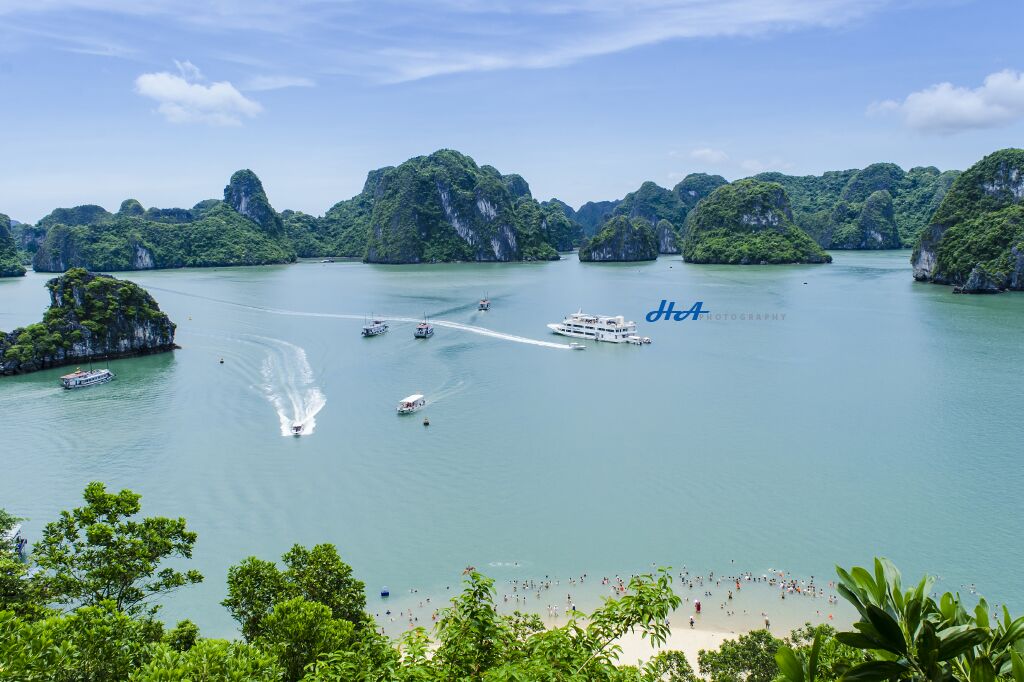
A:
(10, 262)
(976, 237)
(443, 207)
(90, 317)
(834, 207)
(748, 222)
(85, 607)
(621, 239)
(241, 230)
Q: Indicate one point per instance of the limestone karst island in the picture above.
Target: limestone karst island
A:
(661, 341)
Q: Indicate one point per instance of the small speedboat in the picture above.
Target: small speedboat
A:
(577, 346)
(297, 429)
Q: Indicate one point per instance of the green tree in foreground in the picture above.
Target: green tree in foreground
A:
(908, 635)
(318, 575)
(101, 552)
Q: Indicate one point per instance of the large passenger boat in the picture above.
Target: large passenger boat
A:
(599, 328)
(80, 379)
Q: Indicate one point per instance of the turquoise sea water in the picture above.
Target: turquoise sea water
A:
(875, 415)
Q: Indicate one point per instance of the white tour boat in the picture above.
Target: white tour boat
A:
(485, 304)
(597, 327)
(80, 379)
(375, 328)
(411, 404)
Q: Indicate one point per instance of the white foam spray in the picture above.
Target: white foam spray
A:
(290, 385)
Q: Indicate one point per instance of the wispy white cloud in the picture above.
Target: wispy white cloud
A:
(403, 40)
(946, 108)
(182, 99)
(277, 82)
(709, 155)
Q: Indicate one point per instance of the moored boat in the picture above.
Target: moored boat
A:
(375, 328)
(411, 403)
(80, 379)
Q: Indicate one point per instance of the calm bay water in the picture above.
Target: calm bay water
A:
(880, 416)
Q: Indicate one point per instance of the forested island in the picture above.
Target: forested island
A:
(444, 207)
(82, 605)
(976, 238)
(91, 317)
(747, 222)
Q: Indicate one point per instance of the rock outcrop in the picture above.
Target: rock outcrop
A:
(830, 207)
(10, 262)
(245, 194)
(748, 222)
(668, 237)
(872, 225)
(976, 238)
(242, 230)
(443, 207)
(593, 214)
(621, 239)
(91, 317)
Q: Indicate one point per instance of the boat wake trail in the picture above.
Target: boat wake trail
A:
(289, 385)
(482, 331)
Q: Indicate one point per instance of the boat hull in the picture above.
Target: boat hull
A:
(592, 335)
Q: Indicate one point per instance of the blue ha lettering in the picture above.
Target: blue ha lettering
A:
(667, 311)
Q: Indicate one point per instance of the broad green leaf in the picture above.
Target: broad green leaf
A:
(789, 664)
(874, 671)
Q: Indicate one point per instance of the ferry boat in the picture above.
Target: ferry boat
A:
(597, 327)
(485, 304)
(375, 328)
(411, 403)
(80, 379)
(424, 330)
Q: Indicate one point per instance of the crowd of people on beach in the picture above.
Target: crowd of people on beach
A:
(527, 594)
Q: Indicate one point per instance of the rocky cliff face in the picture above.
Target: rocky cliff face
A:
(976, 237)
(245, 194)
(872, 225)
(621, 239)
(748, 222)
(668, 237)
(91, 317)
(10, 263)
(444, 207)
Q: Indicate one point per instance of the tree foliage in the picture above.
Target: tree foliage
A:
(101, 552)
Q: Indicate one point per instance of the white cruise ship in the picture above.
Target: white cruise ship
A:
(599, 328)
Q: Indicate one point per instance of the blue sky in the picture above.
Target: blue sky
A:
(162, 100)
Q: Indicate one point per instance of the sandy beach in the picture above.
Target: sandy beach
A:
(639, 649)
